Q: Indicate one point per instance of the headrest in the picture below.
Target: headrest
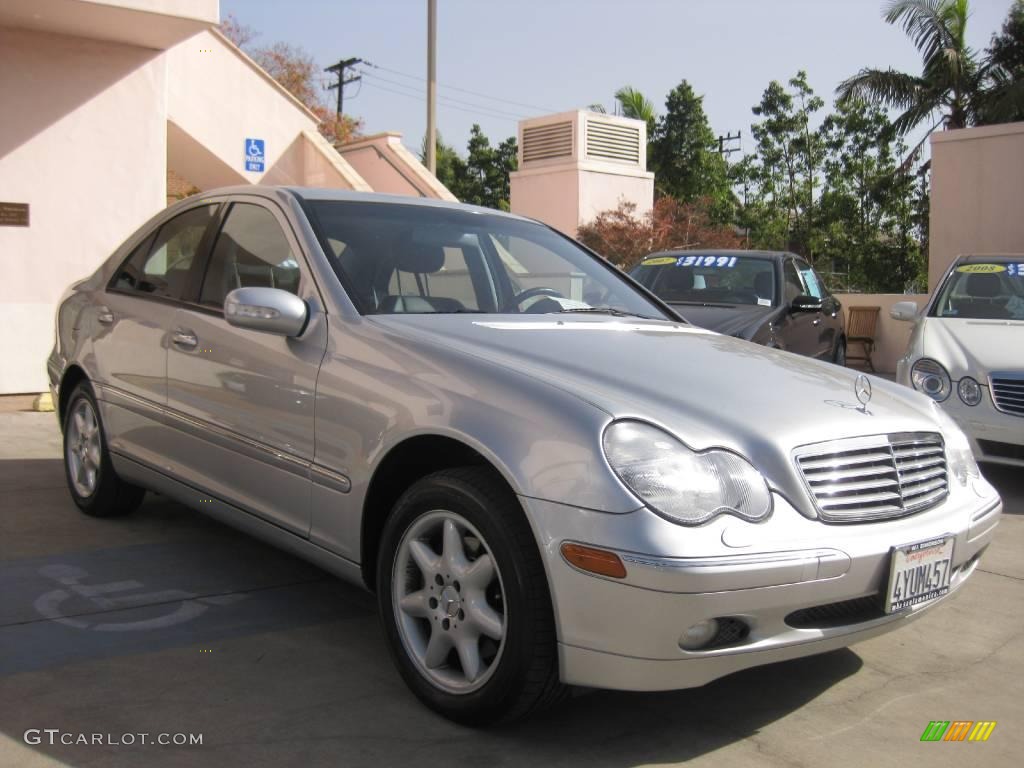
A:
(420, 259)
(679, 278)
(764, 284)
(982, 285)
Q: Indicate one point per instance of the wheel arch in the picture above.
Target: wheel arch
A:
(72, 377)
(406, 462)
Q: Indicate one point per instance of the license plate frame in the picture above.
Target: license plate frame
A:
(905, 562)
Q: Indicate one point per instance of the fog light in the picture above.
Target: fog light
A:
(969, 390)
(699, 635)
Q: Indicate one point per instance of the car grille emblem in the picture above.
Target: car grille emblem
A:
(862, 388)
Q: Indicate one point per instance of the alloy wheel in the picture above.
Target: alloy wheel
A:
(83, 449)
(449, 602)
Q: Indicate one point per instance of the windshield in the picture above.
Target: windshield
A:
(395, 258)
(723, 279)
(992, 291)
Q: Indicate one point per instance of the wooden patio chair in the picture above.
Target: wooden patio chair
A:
(861, 324)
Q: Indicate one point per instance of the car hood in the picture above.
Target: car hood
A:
(708, 389)
(973, 347)
(741, 321)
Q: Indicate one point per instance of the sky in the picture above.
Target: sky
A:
(499, 62)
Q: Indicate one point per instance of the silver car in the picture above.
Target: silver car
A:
(547, 477)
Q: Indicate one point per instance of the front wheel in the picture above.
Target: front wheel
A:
(464, 600)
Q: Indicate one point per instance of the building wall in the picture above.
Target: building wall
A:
(82, 140)
(977, 198)
(550, 195)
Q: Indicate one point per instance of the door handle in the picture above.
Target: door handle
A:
(105, 316)
(184, 339)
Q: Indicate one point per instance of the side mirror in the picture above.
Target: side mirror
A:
(806, 303)
(904, 310)
(266, 309)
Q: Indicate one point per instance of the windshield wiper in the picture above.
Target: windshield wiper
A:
(608, 311)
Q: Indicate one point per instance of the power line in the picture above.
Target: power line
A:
(339, 70)
(422, 97)
(495, 110)
(463, 90)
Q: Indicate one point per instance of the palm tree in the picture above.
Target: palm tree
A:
(951, 80)
(634, 104)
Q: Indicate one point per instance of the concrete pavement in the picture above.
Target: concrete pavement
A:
(167, 622)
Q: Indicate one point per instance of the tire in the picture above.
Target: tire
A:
(94, 486)
(839, 354)
(515, 673)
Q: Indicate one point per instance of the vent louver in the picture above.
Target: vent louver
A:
(543, 142)
(612, 141)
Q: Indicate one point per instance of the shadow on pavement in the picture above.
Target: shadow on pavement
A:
(168, 622)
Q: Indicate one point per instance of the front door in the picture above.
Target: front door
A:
(798, 330)
(241, 401)
(132, 329)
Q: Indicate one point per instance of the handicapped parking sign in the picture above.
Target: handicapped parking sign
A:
(254, 155)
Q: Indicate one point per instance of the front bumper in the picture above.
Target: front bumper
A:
(995, 436)
(624, 633)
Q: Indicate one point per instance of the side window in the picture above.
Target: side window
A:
(162, 269)
(811, 280)
(251, 251)
(794, 286)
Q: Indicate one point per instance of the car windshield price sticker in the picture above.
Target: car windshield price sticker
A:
(919, 573)
(254, 155)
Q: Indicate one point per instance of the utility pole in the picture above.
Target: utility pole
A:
(729, 138)
(432, 86)
(339, 70)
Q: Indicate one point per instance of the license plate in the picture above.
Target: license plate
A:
(919, 572)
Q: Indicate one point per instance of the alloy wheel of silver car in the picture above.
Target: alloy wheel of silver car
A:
(449, 602)
(82, 449)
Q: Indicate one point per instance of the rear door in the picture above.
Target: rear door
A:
(133, 326)
(241, 401)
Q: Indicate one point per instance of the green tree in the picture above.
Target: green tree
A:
(482, 178)
(683, 154)
(951, 80)
(866, 214)
(780, 178)
(637, 106)
(1004, 101)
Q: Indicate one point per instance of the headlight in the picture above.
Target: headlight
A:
(969, 390)
(931, 378)
(685, 486)
(962, 464)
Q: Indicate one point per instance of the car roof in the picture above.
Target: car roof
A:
(721, 252)
(346, 195)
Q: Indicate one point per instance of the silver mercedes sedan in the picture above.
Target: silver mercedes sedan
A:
(547, 477)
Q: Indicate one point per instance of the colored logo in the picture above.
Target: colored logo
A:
(255, 154)
(958, 730)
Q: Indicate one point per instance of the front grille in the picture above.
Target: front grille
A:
(1008, 392)
(876, 477)
(837, 614)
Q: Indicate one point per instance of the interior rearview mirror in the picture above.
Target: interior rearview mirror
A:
(270, 310)
(805, 303)
(903, 310)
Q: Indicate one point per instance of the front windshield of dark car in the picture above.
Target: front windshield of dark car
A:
(395, 258)
(708, 279)
(989, 291)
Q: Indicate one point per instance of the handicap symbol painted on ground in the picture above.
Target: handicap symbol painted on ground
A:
(176, 606)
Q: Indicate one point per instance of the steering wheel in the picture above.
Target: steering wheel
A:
(529, 293)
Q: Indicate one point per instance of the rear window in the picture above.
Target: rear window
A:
(708, 278)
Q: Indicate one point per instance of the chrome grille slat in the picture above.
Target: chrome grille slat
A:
(875, 477)
(1007, 390)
